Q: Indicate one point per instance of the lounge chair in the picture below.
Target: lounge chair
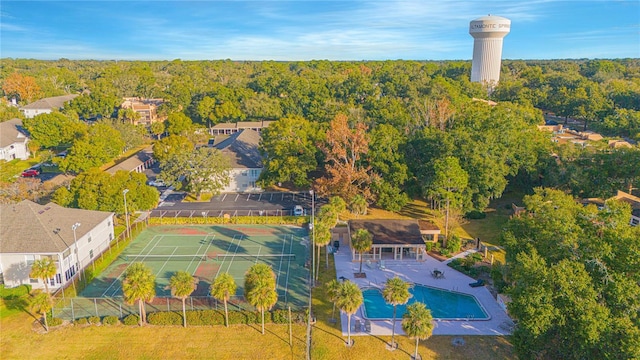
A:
(367, 326)
(381, 265)
(369, 265)
(478, 283)
(358, 326)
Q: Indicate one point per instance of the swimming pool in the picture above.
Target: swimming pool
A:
(444, 304)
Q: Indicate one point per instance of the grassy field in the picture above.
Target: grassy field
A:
(328, 342)
(21, 339)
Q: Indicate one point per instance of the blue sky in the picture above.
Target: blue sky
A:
(306, 30)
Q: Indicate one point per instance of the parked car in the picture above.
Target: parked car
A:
(298, 210)
(157, 183)
(30, 173)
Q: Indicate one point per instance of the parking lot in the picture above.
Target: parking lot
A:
(235, 204)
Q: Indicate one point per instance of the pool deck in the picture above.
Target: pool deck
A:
(420, 272)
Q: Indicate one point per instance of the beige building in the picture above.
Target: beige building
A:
(147, 109)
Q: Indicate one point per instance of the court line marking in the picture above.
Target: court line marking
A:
(198, 253)
(286, 284)
(235, 251)
(225, 258)
(166, 261)
(206, 250)
(284, 243)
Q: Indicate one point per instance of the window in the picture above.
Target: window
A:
(89, 239)
(59, 278)
(253, 184)
(255, 173)
(91, 254)
(66, 253)
(244, 173)
(33, 281)
(110, 236)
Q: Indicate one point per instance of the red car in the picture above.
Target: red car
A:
(30, 173)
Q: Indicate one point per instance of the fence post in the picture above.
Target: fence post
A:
(120, 311)
(95, 304)
(168, 306)
(73, 314)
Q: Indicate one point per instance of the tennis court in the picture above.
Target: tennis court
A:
(208, 250)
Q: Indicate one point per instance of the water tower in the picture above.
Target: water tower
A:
(488, 32)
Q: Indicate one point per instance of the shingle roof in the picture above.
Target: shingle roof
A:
(12, 132)
(390, 232)
(27, 227)
(242, 149)
(55, 102)
(134, 161)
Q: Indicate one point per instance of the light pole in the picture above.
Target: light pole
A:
(126, 213)
(313, 237)
(75, 241)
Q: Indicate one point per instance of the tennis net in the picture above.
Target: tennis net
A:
(256, 257)
(142, 257)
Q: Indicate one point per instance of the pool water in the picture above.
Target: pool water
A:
(443, 304)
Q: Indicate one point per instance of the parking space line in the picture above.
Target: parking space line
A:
(224, 197)
(248, 196)
(236, 199)
(282, 199)
(259, 196)
(271, 197)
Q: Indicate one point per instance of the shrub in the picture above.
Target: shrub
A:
(475, 215)
(131, 319)
(280, 316)
(429, 246)
(81, 321)
(110, 320)
(245, 317)
(165, 318)
(16, 292)
(94, 320)
(454, 244)
(205, 317)
(53, 321)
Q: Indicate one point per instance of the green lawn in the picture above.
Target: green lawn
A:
(21, 338)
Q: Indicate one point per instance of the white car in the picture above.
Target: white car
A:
(157, 183)
(298, 210)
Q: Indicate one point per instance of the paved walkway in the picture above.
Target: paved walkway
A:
(420, 272)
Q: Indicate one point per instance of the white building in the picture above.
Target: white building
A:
(46, 105)
(13, 140)
(246, 163)
(72, 238)
(488, 32)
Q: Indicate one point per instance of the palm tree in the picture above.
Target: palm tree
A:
(417, 323)
(43, 269)
(361, 241)
(338, 204)
(260, 288)
(223, 287)
(349, 300)
(322, 237)
(139, 284)
(395, 292)
(333, 289)
(41, 304)
(358, 205)
(182, 285)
